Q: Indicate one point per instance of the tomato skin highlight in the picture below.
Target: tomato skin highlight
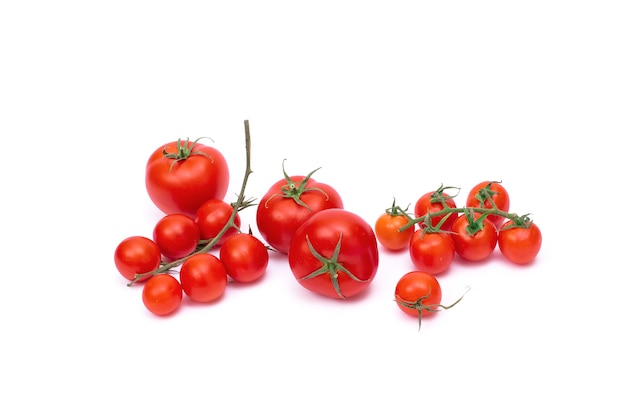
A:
(278, 217)
(478, 246)
(518, 244)
(387, 231)
(177, 235)
(432, 252)
(162, 294)
(358, 253)
(415, 286)
(212, 216)
(244, 257)
(424, 205)
(182, 186)
(500, 197)
(203, 278)
(137, 255)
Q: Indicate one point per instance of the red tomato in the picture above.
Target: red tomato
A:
(436, 201)
(474, 246)
(288, 203)
(334, 253)
(212, 216)
(431, 252)
(490, 194)
(182, 175)
(162, 294)
(418, 294)
(387, 231)
(177, 235)
(244, 257)
(519, 244)
(137, 255)
(203, 277)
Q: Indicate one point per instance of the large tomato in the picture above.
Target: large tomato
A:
(289, 203)
(182, 175)
(334, 253)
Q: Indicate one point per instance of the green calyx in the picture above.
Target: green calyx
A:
(486, 194)
(183, 151)
(294, 190)
(330, 266)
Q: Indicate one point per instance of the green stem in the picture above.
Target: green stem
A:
(231, 221)
(480, 210)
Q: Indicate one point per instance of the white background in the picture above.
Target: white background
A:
(391, 99)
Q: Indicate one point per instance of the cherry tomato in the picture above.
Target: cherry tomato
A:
(288, 203)
(431, 252)
(203, 277)
(519, 244)
(334, 253)
(387, 228)
(137, 255)
(418, 294)
(490, 194)
(162, 294)
(244, 257)
(182, 175)
(474, 246)
(434, 201)
(176, 235)
(211, 218)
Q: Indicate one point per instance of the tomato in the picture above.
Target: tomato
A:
(244, 257)
(212, 216)
(474, 240)
(334, 253)
(137, 255)
(162, 294)
(434, 201)
(418, 294)
(182, 175)
(490, 194)
(290, 202)
(203, 277)
(519, 244)
(177, 235)
(431, 252)
(387, 229)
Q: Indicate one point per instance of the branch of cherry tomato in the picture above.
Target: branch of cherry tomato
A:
(239, 204)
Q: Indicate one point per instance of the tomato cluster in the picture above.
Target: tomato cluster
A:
(439, 231)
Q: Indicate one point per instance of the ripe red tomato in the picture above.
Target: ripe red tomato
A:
(334, 253)
(212, 216)
(434, 201)
(387, 231)
(289, 203)
(162, 294)
(137, 255)
(490, 194)
(519, 244)
(177, 235)
(244, 257)
(431, 252)
(418, 294)
(475, 240)
(203, 277)
(182, 175)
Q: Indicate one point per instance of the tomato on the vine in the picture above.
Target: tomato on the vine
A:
(177, 235)
(387, 229)
(334, 253)
(290, 202)
(519, 243)
(137, 255)
(431, 252)
(244, 257)
(490, 194)
(435, 201)
(212, 216)
(203, 277)
(162, 294)
(182, 175)
(475, 237)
